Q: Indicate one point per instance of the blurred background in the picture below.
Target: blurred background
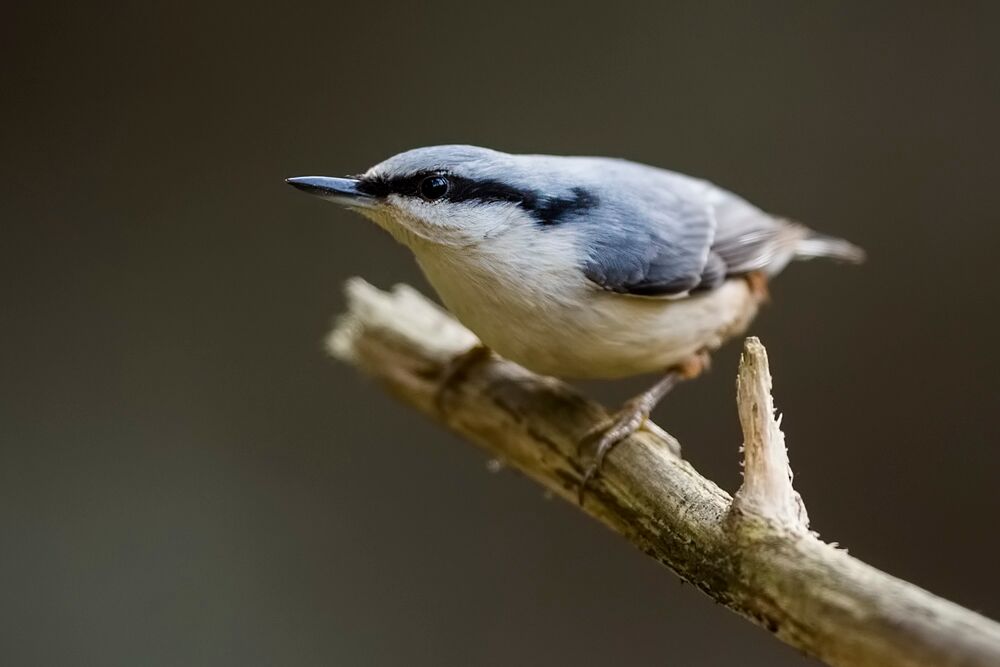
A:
(185, 478)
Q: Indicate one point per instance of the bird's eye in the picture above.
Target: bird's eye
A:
(434, 187)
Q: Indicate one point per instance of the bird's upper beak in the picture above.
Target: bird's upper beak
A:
(342, 191)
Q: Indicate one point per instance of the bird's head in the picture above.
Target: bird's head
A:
(456, 195)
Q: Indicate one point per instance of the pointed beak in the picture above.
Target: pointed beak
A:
(343, 191)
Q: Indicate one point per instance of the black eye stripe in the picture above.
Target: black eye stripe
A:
(465, 189)
(546, 210)
(462, 189)
(552, 211)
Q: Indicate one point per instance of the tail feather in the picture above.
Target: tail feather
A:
(820, 245)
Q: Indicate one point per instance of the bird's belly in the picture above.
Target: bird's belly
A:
(602, 334)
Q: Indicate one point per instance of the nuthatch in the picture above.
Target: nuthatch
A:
(582, 267)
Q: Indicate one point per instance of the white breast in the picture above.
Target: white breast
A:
(540, 311)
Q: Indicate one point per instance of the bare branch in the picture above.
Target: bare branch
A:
(755, 558)
(767, 478)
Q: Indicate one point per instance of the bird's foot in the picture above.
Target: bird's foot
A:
(634, 415)
(627, 421)
(455, 371)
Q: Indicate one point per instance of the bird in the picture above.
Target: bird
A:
(581, 267)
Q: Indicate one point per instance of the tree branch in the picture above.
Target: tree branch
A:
(752, 554)
(767, 478)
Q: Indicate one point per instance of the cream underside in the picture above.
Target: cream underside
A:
(572, 329)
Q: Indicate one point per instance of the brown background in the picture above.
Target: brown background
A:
(185, 479)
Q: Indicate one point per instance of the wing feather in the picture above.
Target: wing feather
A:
(662, 254)
(682, 235)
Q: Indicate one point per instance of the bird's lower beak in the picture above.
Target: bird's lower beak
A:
(343, 191)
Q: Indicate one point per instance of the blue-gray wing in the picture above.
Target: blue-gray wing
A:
(659, 250)
(688, 237)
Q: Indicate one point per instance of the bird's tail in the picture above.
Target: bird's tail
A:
(819, 245)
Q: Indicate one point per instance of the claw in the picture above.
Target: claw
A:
(633, 416)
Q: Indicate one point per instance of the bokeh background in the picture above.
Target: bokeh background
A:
(186, 479)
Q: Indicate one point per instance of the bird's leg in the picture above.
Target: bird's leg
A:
(455, 370)
(634, 414)
(758, 286)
